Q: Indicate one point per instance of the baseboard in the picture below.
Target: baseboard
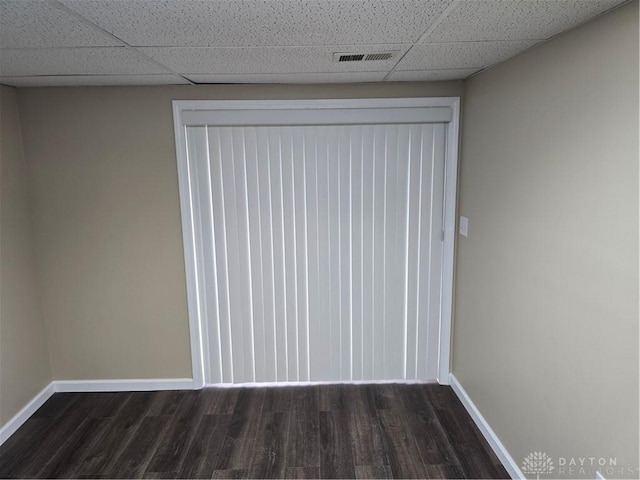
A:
(507, 460)
(23, 415)
(126, 385)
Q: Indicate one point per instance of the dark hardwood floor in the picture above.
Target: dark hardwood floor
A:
(333, 431)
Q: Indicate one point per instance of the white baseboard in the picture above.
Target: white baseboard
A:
(136, 385)
(127, 385)
(507, 460)
(23, 415)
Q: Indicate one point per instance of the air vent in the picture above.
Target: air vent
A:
(378, 56)
(363, 57)
(351, 58)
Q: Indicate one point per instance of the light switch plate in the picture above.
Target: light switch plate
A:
(464, 226)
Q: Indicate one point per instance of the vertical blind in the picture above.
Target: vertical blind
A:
(321, 250)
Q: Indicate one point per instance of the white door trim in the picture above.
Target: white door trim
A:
(424, 110)
(450, 213)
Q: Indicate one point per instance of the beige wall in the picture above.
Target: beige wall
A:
(546, 325)
(24, 356)
(107, 219)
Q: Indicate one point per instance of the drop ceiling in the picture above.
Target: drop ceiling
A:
(155, 42)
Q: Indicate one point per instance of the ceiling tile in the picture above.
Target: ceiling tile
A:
(515, 19)
(261, 22)
(441, 56)
(93, 80)
(268, 59)
(32, 24)
(343, 77)
(67, 61)
(430, 75)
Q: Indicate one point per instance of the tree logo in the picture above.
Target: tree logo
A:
(537, 463)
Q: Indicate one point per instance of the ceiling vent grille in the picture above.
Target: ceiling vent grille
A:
(351, 57)
(379, 56)
(363, 57)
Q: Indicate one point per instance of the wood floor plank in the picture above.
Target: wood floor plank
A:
(49, 444)
(442, 398)
(64, 462)
(277, 400)
(202, 457)
(402, 452)
(102, 450)
(474, 464)
(365, 472)
(467, 445)
(102, 454)
(57, 404)
(366, 436)
(233, 473)
(303, 448)
(245, 420)
(456, 429)
(174, 444)
(433, 444)
(235, 453)
(305, 402)
(219, 401)
(361, 397)
(332, 397)
(445, 471)
(166, 403)
(336, 457)
(18, 448)
(366, 440)
(239, 442)
(88, 405)
(385, 397)
(415, 400)
(269, 458)
(425, 427)
(135, 457)
(136, 404)
(301, 472)
(160, 475)
(96, 405)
